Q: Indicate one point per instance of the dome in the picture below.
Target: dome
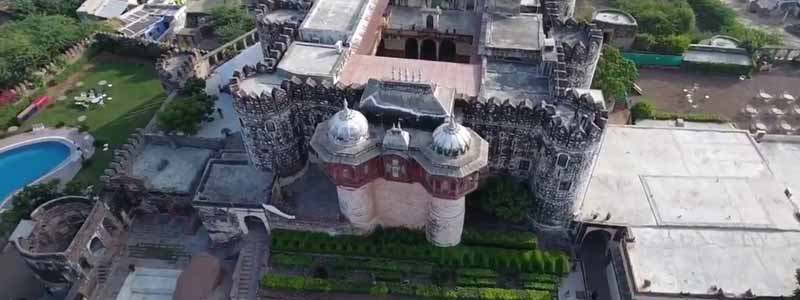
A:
(348, 127)
(451, 139)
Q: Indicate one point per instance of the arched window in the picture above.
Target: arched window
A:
(429, 22)
(447, 51)
(563, 160)
(428, 50)
(412, 49)
(96, 247)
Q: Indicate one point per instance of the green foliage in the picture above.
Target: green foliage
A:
(75, 188)
(796, 295)
(386, 247)
(476, 273)
(660, 17)
(753, 39)
(505, 199)
(713, 15)
(379, 289)
(45, 7)
(643, 110)
(293, 260)
(690, 117)
(24, 202)
(502, 239)
(34, 41)
(185, 114)
(231, 22)
(615, 74)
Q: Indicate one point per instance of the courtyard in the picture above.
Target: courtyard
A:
(132, 95)
(716, 94)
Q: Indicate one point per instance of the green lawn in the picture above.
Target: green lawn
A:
(136, 93)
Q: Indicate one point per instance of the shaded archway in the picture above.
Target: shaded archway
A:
(595, 261)
(412, 48)
(428, 50)
(429, 22)
(447, 51)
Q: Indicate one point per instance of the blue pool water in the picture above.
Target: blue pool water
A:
(23, 165)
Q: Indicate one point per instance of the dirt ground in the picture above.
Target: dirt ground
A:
(727, 94)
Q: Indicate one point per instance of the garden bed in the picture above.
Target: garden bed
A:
(400, 263)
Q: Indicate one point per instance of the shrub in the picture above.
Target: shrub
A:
(505, 199)
(60, 124)
(502, 239)
(83, 128)
(379, 289)
(643, 110)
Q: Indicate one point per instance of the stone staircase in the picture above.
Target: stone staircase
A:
(102, 273)
(250, 265)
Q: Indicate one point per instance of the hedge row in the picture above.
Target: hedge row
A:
(542, 286)
(377, 264)
(271, 281)
(704, 118)
(293, 260)
(476, 282)
(527, 277)
(476, 273)
(503, 239)
(409, 247)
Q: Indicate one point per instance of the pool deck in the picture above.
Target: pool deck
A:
(65, 171)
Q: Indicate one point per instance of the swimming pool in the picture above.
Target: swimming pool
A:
(25, 164)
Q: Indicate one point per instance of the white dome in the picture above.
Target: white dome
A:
(451, 139)
(348, 127)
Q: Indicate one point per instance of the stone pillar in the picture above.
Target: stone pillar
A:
(357, 206)
(445, 222)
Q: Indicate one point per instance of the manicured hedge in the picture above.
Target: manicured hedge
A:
(271, 281)
(476, 282)
(377, 264)
(502, 239)
(292, 260)
(476, 273)
(412, 246)
(704, 118)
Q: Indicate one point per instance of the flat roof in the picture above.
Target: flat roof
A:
(150, 284)
(702, 204)
(333, 15)
(677, 260)
(520, 32)
(308, 59)
(715, 57)
(613, 16)
(234, 183)
(514, 81)
(464, 78)
(462, 22)
(170, 170)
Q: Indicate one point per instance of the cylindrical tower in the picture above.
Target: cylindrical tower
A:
(445, 221)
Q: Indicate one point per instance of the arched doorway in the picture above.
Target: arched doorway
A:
(595, 261)
(412, 48)
(447, 51)
(428, 50)
(429, 22)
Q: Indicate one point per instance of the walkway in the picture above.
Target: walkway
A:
(252, 261)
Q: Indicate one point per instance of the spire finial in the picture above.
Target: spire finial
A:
(346, 106)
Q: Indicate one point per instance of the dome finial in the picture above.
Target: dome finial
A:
(346, 106)
(451, 122)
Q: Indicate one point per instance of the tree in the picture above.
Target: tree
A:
(615, 74)
(34, 41)
(24, 202)
(713, 15)
(505, 199)
(231, 22)
(796, 295)
(643, 110)
(185, 115)
(45, 7)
